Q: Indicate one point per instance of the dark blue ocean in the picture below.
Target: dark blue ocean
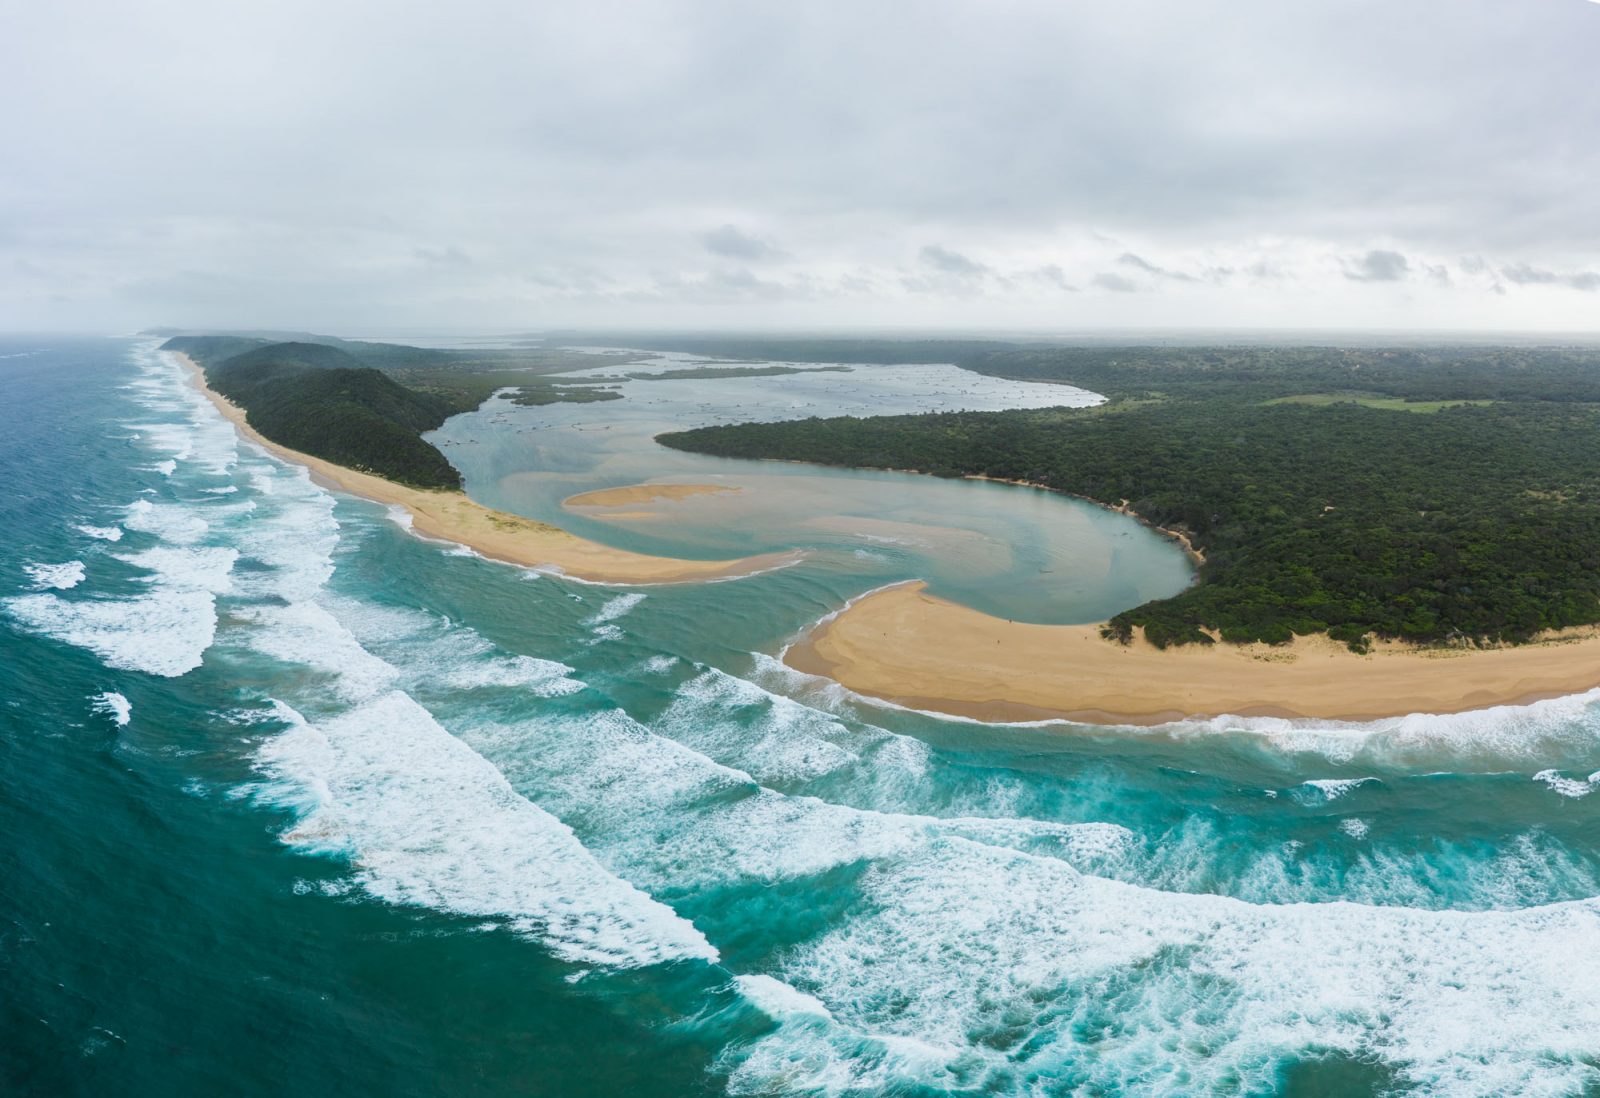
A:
(294, 802)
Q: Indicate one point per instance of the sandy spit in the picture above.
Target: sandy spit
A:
(905, 646)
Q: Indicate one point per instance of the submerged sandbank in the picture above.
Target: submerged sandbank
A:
(905, 646)
(632, 495)
(499, 535)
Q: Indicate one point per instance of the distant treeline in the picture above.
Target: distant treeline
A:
(1471, 524)
(321, 400)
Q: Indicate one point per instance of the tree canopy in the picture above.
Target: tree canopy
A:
(1477, 523)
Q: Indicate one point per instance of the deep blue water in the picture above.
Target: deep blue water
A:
(293, 802)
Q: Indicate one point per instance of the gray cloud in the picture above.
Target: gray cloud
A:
(1110, 280)
(1378, 265)
(947, 262)
(1128, 259)
(1522, 274)
(1050, 274)
(732, 243)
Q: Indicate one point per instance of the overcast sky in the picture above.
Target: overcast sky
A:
(352, 166)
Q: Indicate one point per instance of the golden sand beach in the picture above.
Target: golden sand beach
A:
(903, 645)
(499, 535)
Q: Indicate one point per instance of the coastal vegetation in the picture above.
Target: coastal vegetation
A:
(1336, 513)
(545, 392)
(366, 405)
(321, 400)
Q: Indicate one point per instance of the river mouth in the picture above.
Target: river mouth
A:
(1005, 550)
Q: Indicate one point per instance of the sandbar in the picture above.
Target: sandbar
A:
(452, 516)
(632, 495)
(905, 646)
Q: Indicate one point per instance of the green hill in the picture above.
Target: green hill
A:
(321, 400)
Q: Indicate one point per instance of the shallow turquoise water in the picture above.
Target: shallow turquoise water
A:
(296, 802)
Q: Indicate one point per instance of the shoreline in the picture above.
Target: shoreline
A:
(1196, 557)
(451, 516)
(903, 646)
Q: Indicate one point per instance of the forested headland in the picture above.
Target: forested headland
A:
(322, 401)
(365, 405)
(1431, 494)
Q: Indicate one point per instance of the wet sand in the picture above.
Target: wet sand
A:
(499, 535)
(905, 646)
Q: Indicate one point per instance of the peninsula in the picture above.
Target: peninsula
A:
(1381, 531)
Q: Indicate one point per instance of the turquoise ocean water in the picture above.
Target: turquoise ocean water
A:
(295, 802)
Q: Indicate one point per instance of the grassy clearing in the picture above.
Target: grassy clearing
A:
(1388, 404)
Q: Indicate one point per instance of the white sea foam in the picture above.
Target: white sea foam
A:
(294, 536)
(1319, 791)
(615, 608)
(423, 818)
(113, 705)
(102, 533)
(305, 633)
(437, 655)
(165, 632)
(427, 821)
(202, 568)
(1022, 970)
(1354, 827)
(713, 823)
(777, 999)
(62, 577)
(738, 723)
(1476, 740)
(540, 678)
(169, 521)
(165, 468)
(1567, 787)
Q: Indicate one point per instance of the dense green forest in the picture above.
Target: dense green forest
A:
(321, 400)
(1345, 514)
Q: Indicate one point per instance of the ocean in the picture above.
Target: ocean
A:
(294, 801)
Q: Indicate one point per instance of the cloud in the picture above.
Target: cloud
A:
(1378, 265)
(857, 174)
(731, 242)
(1128, 259)
(1523, 274)
(451, 256)
(1050, 274)
(1109, 280)
(951, 263)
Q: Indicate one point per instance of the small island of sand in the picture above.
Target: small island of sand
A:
(499, 535)
(905, 646)
(635, 495)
